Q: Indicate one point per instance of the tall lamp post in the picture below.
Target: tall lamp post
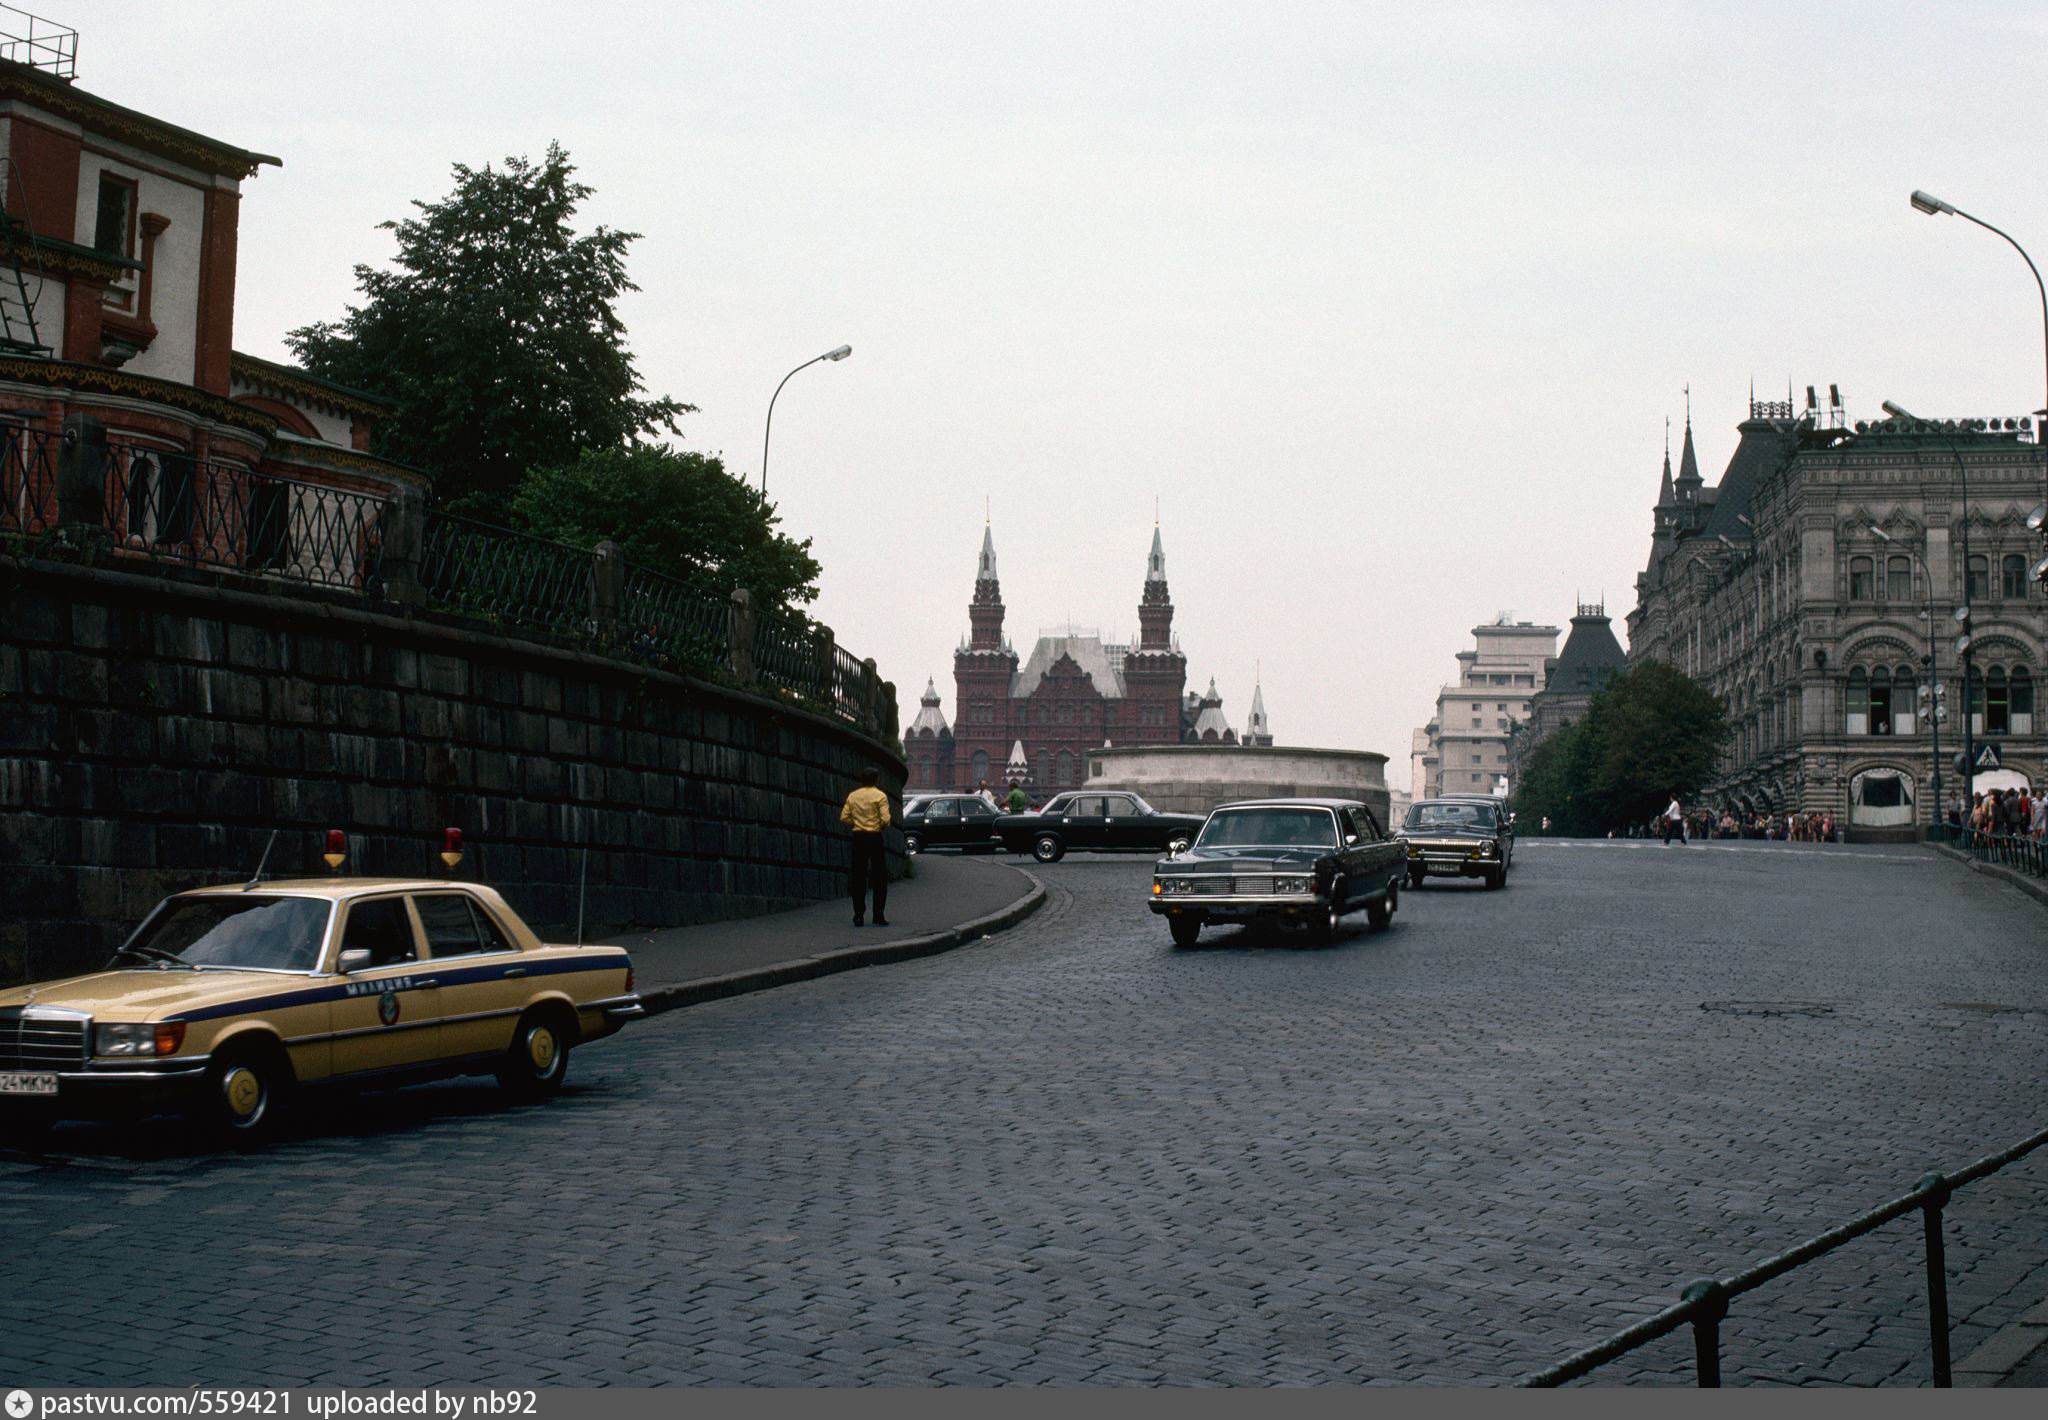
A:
(839, 354)
(1931, 205)
(1963, 611)
(1931, 687)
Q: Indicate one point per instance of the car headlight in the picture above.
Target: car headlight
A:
(142, 1038)
(1294, 884)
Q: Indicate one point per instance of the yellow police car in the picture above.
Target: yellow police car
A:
(226, 999)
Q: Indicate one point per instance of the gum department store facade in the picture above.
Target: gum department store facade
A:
(1772, 591)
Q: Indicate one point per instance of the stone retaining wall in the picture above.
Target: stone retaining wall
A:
(153, 731)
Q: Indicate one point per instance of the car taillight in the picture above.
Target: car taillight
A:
(169, 1036)
(629, 977)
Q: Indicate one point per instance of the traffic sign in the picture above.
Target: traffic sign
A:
(1987, 757)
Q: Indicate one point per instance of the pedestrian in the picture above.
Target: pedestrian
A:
(1674, 822)
(1018, 801)
(866, 813)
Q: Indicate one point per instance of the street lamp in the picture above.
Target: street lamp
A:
(839, 354)
(1963, 611)
(1932, 205)
(1931, 687)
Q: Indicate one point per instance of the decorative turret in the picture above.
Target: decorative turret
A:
(1689, 483)
(985, 612)
(1257, 731)
(1155, 607)
(930, 718)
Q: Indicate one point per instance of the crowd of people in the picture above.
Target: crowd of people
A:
(2014, 813)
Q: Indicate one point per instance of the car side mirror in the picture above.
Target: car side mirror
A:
(1350, 838)
(353, 959)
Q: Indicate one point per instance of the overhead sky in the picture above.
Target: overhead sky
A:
(1383, 307)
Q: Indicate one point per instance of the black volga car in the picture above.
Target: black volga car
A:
(1096, 821)
(1300, 861)
(1459, 838)
(963, 821)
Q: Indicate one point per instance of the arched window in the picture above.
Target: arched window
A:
(2022, 701)
(980, 767)
(1860, 589)
(1980, 579)
(1880, 701)
(2012, 577)
(1898, 579)
(1904, 705)
(1045, 779)
(1066, 769)
(1997, 703)
(1857, 719)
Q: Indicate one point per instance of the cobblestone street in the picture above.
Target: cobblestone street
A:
(1451, 1152)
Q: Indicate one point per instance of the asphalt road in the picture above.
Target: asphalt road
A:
(1451, 1152)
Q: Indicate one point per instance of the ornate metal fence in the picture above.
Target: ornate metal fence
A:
(671, 625)
(124, 500)
(507, 578)
(1704, 1304)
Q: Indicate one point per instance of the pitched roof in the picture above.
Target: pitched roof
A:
(1103, 664)
(929, 716)
(1155, 565)
(1763, 450)
(986, 570)
(1590, 655)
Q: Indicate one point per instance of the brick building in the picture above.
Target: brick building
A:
(1072, 694)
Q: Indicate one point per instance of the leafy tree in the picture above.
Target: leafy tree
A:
(678, 513)
(495, 333)
(1649, 733)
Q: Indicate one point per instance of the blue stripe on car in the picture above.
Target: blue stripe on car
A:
(490, 970)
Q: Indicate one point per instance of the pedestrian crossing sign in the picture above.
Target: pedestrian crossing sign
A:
(1987, 756)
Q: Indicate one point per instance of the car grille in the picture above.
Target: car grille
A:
(31, 1042)
(1252, 887)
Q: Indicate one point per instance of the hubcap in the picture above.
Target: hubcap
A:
(540, 1048)
(243, 1091)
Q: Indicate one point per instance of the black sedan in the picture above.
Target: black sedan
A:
(1304, 862)
(1096, 821)
(965, 822)
(1459, 838)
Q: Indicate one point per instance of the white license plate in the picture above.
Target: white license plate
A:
(14, 1082)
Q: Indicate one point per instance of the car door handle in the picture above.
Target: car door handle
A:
(515, 971)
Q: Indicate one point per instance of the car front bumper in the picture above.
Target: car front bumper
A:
(108, 1087)
(1450, 860)
(1239, 908)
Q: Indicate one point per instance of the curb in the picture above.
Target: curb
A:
(657, 999)
(2010, 1347)
(2032, 887)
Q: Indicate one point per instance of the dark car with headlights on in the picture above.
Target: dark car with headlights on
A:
(1096, 821)
(1300, 862)
(964, 822)
(1458, 838)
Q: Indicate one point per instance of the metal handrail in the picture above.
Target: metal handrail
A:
(1705, 1302)
(2017, 851)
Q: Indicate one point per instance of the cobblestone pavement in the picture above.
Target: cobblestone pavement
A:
(1451, 1152)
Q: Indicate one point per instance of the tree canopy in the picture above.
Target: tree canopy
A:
(678, 513)
(1651, 732)
(496, 333)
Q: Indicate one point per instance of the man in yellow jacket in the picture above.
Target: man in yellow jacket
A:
(866, 812)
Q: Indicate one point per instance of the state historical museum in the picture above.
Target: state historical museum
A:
(1036, 721)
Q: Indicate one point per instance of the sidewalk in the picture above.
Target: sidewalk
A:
(951, 901)
(2017, 1355)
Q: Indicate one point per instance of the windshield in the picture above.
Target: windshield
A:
(1269, 828)
(279, 933)
(1467, 816)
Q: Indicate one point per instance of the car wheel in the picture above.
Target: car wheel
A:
(1322, 929)
(1496, 878)
(913, 843)
(1186, 930)
(1381, 913)
(1178, 844)
(538, 1058)
(1415, 877)
(26, 1126)
(244, 1098)
(1048, 849)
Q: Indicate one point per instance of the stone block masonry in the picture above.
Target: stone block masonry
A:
(154, 730)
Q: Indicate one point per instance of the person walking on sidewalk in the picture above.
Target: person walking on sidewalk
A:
(866, 812)
(1674, 822)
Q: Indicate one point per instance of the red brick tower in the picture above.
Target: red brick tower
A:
(982, 671)
(1155, 672)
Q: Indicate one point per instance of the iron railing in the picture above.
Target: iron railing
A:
(512, 579)
(133, 501)
(1703, 1304)
(672, 625)
(37, 42)
(2017, 851)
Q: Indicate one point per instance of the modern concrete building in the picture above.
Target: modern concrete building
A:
(1797, 590)
(1467, 741)
(1195, 778)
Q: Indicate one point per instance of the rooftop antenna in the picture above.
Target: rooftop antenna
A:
(262, 862)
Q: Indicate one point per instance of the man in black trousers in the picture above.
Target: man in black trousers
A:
(866, 812)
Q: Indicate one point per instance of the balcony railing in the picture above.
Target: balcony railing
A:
(37, 42)
(133, 502)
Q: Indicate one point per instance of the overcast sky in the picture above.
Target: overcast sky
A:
(1385, 307)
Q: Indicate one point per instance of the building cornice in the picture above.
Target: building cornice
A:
(59, 258)
(26, 85)
(272, 378)
(68, 375)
